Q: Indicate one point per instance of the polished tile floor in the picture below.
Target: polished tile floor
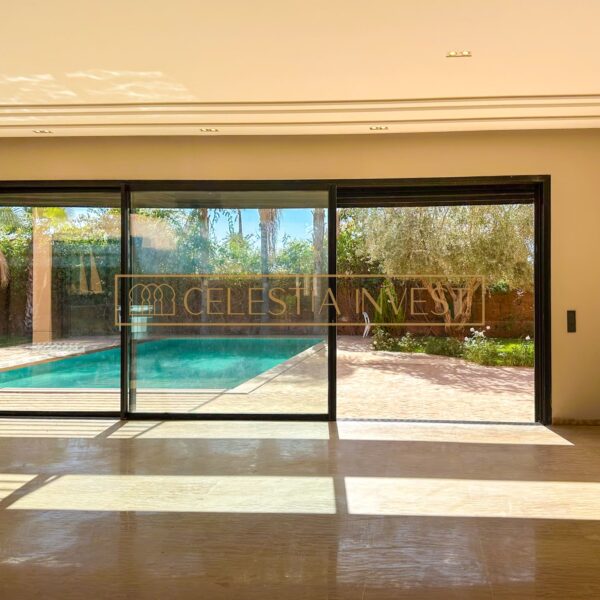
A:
(354, 510)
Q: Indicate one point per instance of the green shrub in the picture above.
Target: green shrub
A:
(485, 353)
(444, 346)
(410, 343)
(382, 340)
(392, 310)
(475, 348)
(519, 355)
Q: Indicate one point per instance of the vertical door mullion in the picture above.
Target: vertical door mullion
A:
(332, 317)
(124, 300)
(543, 405)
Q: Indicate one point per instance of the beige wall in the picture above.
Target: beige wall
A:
(572, 158)
(41, 280)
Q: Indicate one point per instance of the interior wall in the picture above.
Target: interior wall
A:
(572, 158)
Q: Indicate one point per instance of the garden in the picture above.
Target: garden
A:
(493, 242)
(477, 347)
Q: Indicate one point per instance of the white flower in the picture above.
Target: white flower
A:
(472, 330)
(466, 339)
(488, 327)
(527, 337)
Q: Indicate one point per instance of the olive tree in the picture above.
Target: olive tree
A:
(449, 247)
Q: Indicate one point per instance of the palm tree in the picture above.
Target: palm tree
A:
(204, 221)
(239, 216)
(198, 235)
(269, 223)
(319, 254)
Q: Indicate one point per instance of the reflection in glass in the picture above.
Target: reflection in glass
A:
(212, 273)
(59, 345)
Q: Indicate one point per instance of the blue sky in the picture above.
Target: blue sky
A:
(294, 222)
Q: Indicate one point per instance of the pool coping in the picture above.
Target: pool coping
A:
(41, 361)
(262, 378)
(246, 387)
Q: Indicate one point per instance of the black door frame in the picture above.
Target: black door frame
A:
(468, 191)
(534, 189)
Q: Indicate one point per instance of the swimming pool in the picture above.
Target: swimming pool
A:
(175, 363)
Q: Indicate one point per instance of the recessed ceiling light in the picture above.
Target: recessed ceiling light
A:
(459, 54)
(42, 131)
(208, 129)
(379, 128)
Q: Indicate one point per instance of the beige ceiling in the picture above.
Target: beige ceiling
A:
(139, 67)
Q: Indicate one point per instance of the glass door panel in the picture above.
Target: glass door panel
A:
(224, 302)
(59, 343)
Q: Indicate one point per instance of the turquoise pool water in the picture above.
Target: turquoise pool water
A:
(176, 363)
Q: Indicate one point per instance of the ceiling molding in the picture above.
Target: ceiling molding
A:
(285, 118)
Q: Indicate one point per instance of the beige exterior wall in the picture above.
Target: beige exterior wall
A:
(41, 280)
(572, 158)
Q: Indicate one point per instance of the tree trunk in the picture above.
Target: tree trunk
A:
(202, 266)
(28, 319)
(4, 271)
(462, 302)
(5, 293)
(264, 265)
(268, 231)
(319, 256)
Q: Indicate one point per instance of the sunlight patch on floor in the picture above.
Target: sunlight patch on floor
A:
(155, 493)
(222, 430)
(390, 496)
(54, 428)
(10, 483)
(445, 432)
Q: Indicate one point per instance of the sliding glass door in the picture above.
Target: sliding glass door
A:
(446, 297)
(224, 308)
(422, 300)
(59, 343)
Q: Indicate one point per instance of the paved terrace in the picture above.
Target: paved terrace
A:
(371, 385)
